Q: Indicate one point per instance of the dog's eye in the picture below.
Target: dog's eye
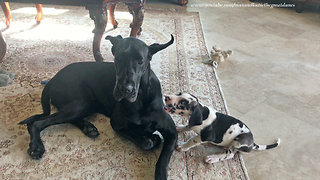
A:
(184, 102)
(139, 60)
(180, 93)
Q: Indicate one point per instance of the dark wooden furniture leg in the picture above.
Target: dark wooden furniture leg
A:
(100, 18)
(6, 11)
(111, 15)
(137, 12)
(97, 14)
(183, 2)
(299, 6)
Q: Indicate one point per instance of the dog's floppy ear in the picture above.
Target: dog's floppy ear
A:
(114, 40)
(196, 116)
(154, 48)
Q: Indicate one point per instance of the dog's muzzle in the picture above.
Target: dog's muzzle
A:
(169, 108)
(125, 92)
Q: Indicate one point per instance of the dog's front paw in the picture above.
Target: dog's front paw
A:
(211, 159)
(36, 150)
(90, 130)
(156, 140)
(149, 143)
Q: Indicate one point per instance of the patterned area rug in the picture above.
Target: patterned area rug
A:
(37, 52)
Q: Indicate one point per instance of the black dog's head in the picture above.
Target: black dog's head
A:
(185, 104)
(132, 60)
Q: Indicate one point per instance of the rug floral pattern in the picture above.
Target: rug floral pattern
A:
(36, 53)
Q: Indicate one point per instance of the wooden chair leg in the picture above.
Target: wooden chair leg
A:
(6, 10)
(137, 12)
(111, 15)
(39, 13)
(299, 7)
(183, 2)
(100, 22)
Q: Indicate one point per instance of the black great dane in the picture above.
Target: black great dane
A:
(127, 91)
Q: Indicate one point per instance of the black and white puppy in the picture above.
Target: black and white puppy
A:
(213, 127)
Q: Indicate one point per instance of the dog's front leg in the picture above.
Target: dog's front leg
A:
(182, 128)
(192, 142)
(170, 136)
(228, 154)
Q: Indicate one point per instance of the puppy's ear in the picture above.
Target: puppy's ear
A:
(196, 116)
(114, 40)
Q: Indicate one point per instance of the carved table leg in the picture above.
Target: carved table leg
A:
(39, 13)
(137, 12)
(183, 2)
(3, 47)
(100, 21)
(111, 15)
(299, 7)
(6, 11)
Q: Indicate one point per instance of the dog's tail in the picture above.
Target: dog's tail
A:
(264, 147)
(45, 102)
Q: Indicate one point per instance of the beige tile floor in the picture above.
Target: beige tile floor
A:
(271, 82)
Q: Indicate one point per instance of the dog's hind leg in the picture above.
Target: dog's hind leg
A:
(192, 142)
(87, 128)
(45, 103)
(228, 154)
(70, 113)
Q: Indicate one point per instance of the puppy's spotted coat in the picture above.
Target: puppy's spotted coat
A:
(213, 127)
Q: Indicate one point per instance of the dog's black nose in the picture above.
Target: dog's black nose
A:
(129, 89)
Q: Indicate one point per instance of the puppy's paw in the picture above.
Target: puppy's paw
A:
(181, 128)
(180, 147)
